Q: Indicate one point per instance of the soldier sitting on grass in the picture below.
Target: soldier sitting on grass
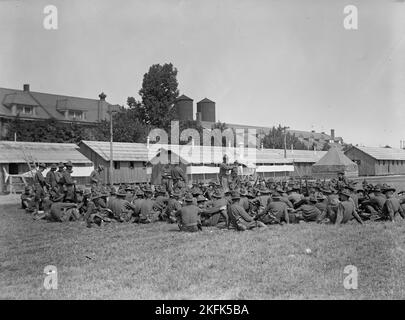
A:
(188, 218)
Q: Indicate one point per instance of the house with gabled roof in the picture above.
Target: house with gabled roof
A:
(32, 105)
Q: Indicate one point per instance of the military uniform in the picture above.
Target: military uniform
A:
(39, 185)
(240, 219)
(224, 169)
(276, 211)
(179, 177)
(69, 185)
(346, 210)
(217, 215)
(51, 178)
(309, 212)
(63, 212)
(188, 218)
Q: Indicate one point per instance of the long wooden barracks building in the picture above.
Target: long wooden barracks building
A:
(377, 161)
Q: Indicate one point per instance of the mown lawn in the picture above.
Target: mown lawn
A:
(122, 261)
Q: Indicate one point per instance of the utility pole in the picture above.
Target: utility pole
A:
(111, 111)
(285, 141)
(111, 149)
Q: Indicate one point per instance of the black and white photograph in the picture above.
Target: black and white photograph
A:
(217, 151)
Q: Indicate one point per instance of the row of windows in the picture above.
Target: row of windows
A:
(71, 114)
(117, 165)
(385, 162)
(392, 162)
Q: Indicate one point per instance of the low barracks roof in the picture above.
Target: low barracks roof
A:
(22, 152)
(380, 153)
(123, 151)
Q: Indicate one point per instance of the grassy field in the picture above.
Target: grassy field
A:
(123, 261)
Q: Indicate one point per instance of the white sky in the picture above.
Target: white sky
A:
(263, 62)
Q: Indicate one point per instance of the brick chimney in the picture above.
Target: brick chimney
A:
(26, 87)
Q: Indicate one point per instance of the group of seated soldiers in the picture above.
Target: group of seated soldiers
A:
(249, 204)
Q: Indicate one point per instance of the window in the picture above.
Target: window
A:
(76, 115)
(131, 164)
(384, 163)
(117, 165)
(22, 109)
(13, 168)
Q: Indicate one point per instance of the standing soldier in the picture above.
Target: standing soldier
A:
(39, 185)
(51, 177)
(95, 178)
(167, 181)
(69, 183)
(224, 171)
(59, 177)
(234, 173)
(178, 176)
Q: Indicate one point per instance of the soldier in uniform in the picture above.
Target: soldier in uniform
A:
(95, 178)
(224, 171)
(244, 201)
(59, 177)
(293, 195)
(234, 173)
(178, 176)
(167, 181)
(51, 177)
(129, 193)
(217, 215)
(391, 206)
(96, 212)
(69, 183)
(188, 218)
(146, 212)
(39, 187)
(27, 199)
(375, 204)
(239, 218)
(263, 196)
(276, 211)
(346, 210)
(309, 212)
(121, 208)
(64, 212)
(173, 205)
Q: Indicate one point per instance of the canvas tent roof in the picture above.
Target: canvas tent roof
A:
(334, 161)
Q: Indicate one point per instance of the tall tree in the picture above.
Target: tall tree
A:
(275, 139)
(159, 92)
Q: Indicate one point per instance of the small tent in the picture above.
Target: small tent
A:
(333, 162)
